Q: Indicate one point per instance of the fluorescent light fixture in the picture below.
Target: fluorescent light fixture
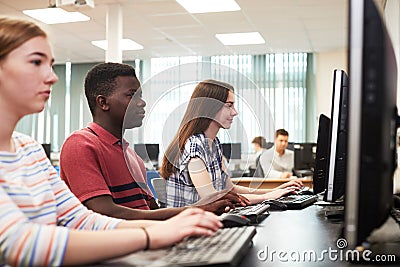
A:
(206, 6)
(55, 15)
(126, 44)
(243, 38)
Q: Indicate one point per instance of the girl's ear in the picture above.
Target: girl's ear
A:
(102, 102)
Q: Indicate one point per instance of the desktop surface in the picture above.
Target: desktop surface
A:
(268, 183)
(290, 233)
(298, 232)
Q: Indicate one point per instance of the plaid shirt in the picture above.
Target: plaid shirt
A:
(180, 189)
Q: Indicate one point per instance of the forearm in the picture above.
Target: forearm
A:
(161, 214)
(136, 214)
(85, 247)
(257, 198)
(247, 190)
(254, 198)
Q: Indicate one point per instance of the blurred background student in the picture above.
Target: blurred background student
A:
(260, 146)
(278, 162)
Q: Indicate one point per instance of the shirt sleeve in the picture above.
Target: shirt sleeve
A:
(82, 160)
(194, 148)
(73, 214)
(24, 243)
(266, 159)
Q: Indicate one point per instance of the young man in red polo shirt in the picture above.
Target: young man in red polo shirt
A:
(97, 163)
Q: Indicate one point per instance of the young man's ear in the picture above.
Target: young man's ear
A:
(102, 102)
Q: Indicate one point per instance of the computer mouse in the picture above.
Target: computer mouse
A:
(233, 220)
(276, 205)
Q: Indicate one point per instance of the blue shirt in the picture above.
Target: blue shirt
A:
(180, 188)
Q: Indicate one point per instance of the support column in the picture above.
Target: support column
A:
(114, 33)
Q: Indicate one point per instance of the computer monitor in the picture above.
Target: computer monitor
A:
(148, 152)
(337, 148)
(373, 122)
(321, 155)
(232, 151)
(304, 156)
(47, 149)
(269, 145)
(290, 146)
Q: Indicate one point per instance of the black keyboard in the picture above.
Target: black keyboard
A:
(255, 213)
(226, 247)
(298, 201)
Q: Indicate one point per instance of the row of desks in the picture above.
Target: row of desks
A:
(267, 183)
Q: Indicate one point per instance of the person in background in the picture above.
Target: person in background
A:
(41, 222)
(192, 163)
(260, 144)
(97, 163)
(278, 162)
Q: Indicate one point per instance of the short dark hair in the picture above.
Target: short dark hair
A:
(101, 80)
(281, 132)
(260, 140)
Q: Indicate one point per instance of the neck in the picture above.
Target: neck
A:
(115, 130)
(212, 130)
(281, 152)
(8, 123)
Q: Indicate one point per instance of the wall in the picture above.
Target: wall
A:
(392, 14)
(326, 62)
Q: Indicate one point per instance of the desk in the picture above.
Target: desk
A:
(267, 183)
(293, 231)
(297, 232)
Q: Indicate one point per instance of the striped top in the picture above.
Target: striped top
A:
(34, 201)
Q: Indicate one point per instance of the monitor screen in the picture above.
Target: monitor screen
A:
(304, 156)
(148, 152)
(337, 148)
(232, 151)
(269, 145)
(290, 146)
(372, 123)
(321, 155)
(47, 149)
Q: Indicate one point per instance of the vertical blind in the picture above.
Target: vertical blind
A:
(270, 93)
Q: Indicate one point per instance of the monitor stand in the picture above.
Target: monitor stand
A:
(385, 240)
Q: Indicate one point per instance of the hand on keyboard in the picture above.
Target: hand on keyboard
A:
(189, 222)
(222, 201)
(305, 191)
(295, 182)
(277, 193)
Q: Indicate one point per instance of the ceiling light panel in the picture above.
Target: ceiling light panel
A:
(243, 38)
(55, 15)
(126, 44)
(206, 6)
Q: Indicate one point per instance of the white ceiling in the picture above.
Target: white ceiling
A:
(164, 28)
